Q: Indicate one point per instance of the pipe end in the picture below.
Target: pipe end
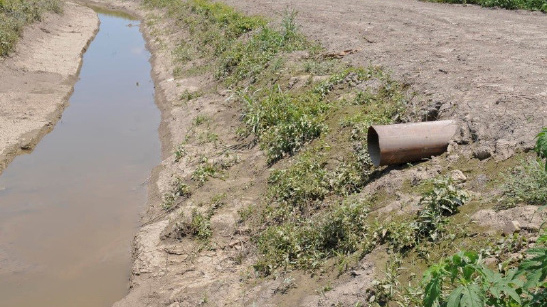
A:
(373, 144)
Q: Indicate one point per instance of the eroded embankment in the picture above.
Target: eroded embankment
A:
(320, 224)
(38, 78)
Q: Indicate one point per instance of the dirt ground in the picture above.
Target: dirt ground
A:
(38, 78)
(485, 68)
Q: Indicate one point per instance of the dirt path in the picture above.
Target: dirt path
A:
(484, 67)
(38, 79)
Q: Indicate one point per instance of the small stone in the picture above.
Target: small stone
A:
(505, 149)
(511, 227)
(234, 243)
(458, 176)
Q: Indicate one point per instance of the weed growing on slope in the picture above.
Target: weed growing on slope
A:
(441, 201)
(214, 28)
(533, 5)
(15, 14)
(296, 191)
(199, 226)
(248, 58)
(541, 145)
(304, 245)
(463, 280)
(201, 119)
(204, 171)
(527, 184)
(284, 122)
(178, 189)
(180, 152)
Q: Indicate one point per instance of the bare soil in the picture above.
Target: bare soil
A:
(38, 78)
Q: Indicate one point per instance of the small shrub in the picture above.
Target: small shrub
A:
(295, 190)
(283, 122)
(248, 58)
(187, 95)
(204, 171)
(198, 226)
(305, 245)
(441, 201)
(200, 119)
(180, 152)
(178, 189)
(527, 183)
(462, 280)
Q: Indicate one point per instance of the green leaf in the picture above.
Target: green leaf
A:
(455, 297)
(432, 292)
(472, 296)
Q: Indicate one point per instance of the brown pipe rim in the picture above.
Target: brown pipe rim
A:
(373, 144)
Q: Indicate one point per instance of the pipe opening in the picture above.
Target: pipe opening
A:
(373, 144)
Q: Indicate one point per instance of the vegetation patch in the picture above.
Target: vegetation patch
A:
(463, 280)
(533, 5)
(304, 245)
(16, 14)
(526, 184)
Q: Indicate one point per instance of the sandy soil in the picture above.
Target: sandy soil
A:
(38, 78)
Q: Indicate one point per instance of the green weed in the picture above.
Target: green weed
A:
(441, 201)
(541, 145)
(527, 184)
(204, 171)
(180, 152)
(284, 122)
(462, 280)
(248, 58)
(305, 245)
(533, 5)
(201, 119)
(187, 95)
(178, 189)
(199, 226)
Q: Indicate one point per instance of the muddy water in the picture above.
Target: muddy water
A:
(69, 210)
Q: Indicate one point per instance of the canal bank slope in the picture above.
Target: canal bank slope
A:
(172, 268)
(38, 78)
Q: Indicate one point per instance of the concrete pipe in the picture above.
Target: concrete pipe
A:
(402, 143)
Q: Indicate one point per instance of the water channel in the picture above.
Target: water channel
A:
(69, 210)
